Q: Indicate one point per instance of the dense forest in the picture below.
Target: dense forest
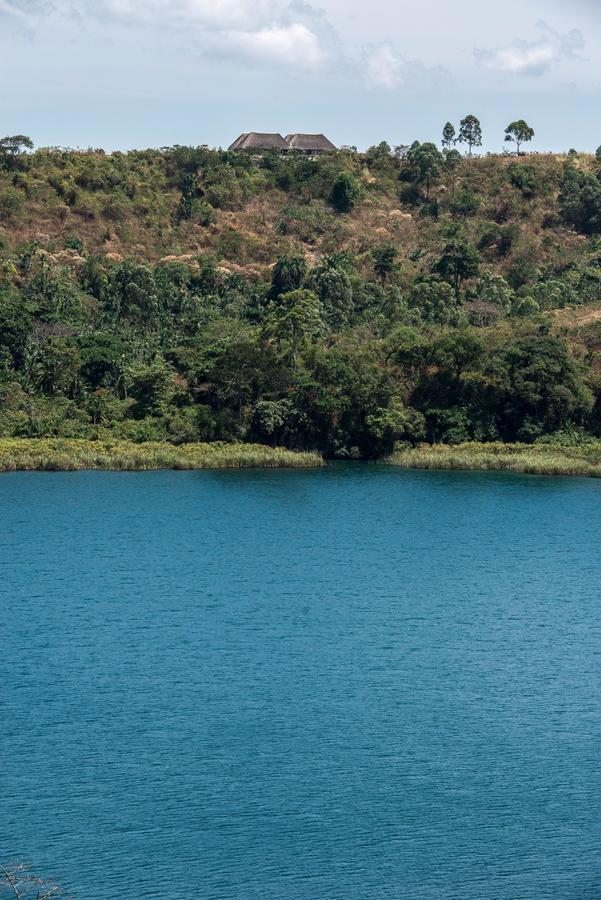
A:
(344, 304)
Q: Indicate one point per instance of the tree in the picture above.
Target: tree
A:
(426, 162)
(345, 192)
(538, 387)
(524, 178)
(57, 366)
(294, 317)
(580, 200)
(384, 260)
(333, 287)
(452, 158)
(241, 373)
(436, 301)
(460, 260)
(449, 136)
(287, 274)
(494, 290)
(457, 351)
(393, 423)
(11, 147)
(519, 133)
(470, 133)
(465, 203)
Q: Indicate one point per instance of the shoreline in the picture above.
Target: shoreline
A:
(577, 460)
(72, 455)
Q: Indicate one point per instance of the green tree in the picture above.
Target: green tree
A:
(457, 352)
(465, 203)
(524, 178)
(459, 261)
(538, 387)
(333, 287)
(345, 192)
(392, 423)
(12, 147)
(407, 347)
(57, 366)
(15, 328)
(426, 162)
(294, 318)
(384, 258)
(436, 301)
(470, 133)
(519, 133)
(150, 386)
(287, 274)
(580, 200)
(449, 136)
(494, 290)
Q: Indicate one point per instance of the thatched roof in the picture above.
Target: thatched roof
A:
(310, 143)
(253, 140)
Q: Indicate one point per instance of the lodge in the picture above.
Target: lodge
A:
(308, 144)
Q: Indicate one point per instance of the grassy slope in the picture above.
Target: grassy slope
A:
(58, 454)
(539, 459)
(124, 205)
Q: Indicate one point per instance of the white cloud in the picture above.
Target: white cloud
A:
(533, 58)
(384, 67)
(219, 14)
(294, 45)
(285, 33)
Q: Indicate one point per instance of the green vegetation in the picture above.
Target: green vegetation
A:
(342, 306)
(539, 459)
(54, 454)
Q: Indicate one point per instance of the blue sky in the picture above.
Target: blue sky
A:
(135, 73)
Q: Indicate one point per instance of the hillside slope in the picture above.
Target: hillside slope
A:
(345, 304)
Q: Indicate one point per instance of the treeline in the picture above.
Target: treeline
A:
(347, 304)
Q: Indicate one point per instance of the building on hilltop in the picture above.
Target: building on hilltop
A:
(311, 144)
(253, 140)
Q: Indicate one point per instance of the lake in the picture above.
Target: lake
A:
(357, 682)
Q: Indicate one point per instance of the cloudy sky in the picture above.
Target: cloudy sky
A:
(138, 73)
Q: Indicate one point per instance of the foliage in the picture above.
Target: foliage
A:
(188, 296)
(519, 133)
(345, 192)
(580, 200)
(426, 162)
(449, 136)
(470, 133)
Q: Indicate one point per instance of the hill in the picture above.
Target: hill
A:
(347, 304)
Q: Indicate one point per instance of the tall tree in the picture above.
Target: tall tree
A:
(519, 133)
(470, 133)
(12, 147)
(459, 261)
(426, 163)
(449, 136)
(295, 317)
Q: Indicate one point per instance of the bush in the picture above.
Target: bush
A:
(345, 192)
(11, 204)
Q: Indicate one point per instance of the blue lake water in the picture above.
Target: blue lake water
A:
(352, 683)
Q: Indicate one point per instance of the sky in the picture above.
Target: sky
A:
(121, 74)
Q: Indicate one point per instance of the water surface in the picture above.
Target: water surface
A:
(353, 683)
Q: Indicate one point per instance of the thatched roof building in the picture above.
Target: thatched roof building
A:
(312, 144)
(253, 140)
